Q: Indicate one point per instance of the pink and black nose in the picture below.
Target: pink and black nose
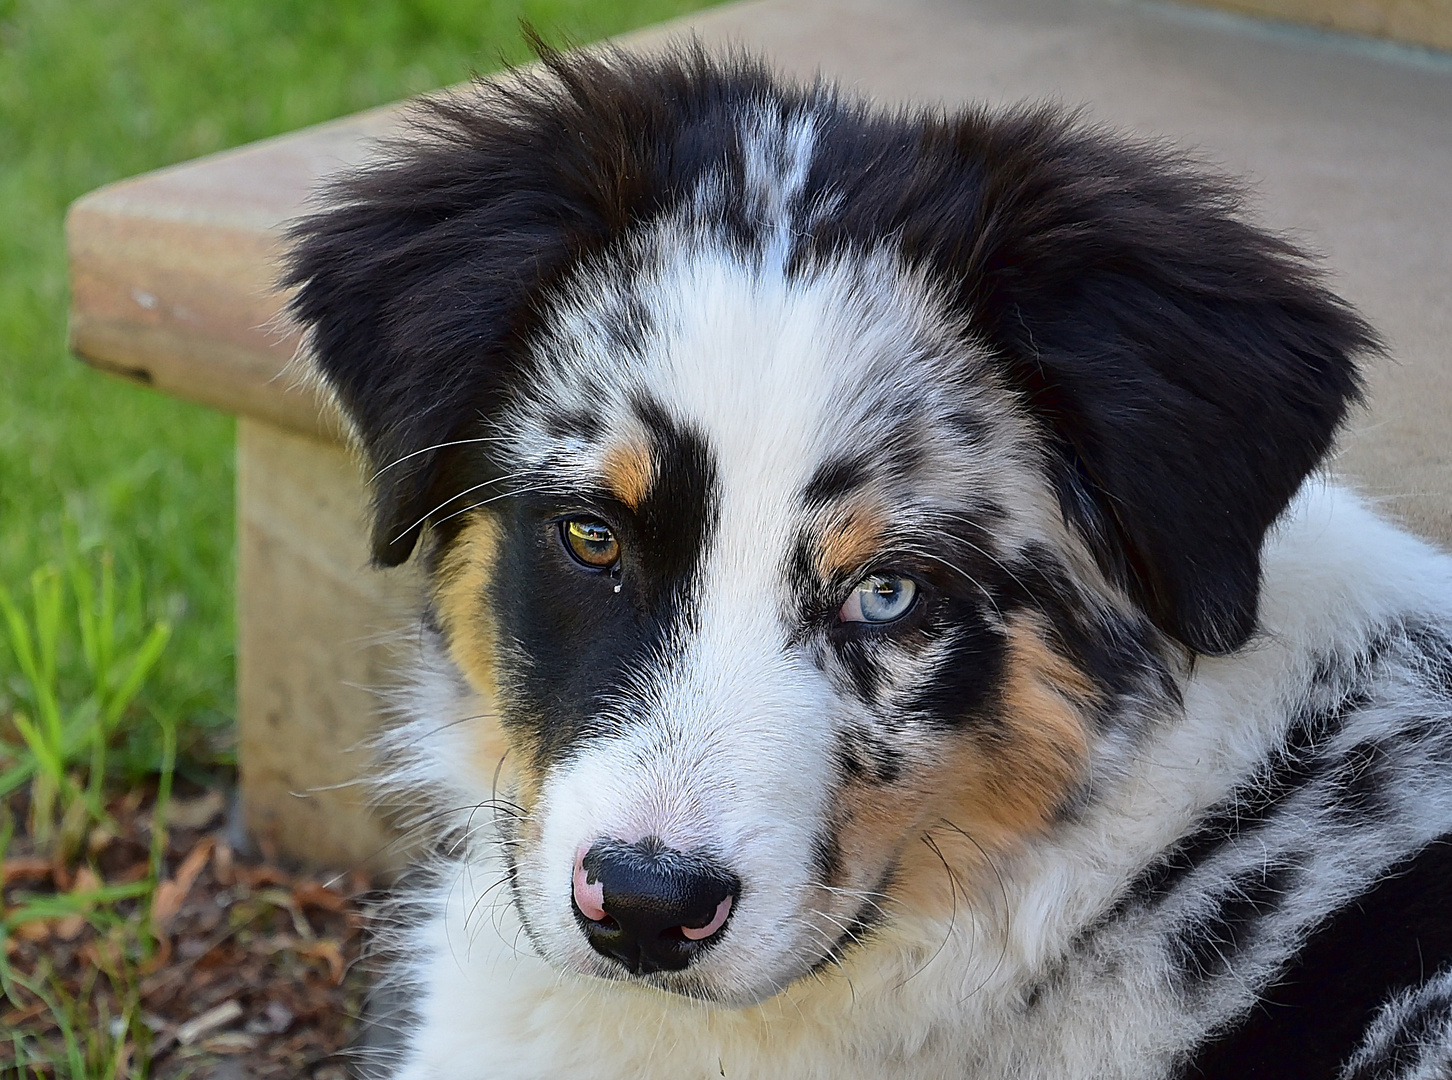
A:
(650, 907)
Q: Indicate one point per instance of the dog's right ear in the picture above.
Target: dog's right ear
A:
(420, 287)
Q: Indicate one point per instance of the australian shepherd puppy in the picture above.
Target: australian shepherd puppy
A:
(884, 619)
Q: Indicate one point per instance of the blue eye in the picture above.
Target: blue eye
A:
(882, 598)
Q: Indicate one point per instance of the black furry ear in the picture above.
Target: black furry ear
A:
(417, 286)
(421, 286)
(414, 289)
(1192, 369)
(1189, 369)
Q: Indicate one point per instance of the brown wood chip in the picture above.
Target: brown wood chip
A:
(312, 894)
(172, 893)
(328, 951)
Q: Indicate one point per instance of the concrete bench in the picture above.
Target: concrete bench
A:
(1350, 145)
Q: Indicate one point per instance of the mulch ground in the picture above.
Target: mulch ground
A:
(248, 969)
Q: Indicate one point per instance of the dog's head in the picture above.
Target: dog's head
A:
(801, 482)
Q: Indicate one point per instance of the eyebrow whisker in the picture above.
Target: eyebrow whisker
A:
(439, 446)
(459, 495)
(475, 506)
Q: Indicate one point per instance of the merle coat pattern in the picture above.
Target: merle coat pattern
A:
(883, 549)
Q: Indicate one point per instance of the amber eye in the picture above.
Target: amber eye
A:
(591, 542)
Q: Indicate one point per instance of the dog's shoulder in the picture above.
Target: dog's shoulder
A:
(1324, 877)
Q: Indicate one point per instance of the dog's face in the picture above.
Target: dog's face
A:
(813, 494)
(750, 594)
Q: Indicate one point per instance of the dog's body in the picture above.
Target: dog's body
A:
(848, 637)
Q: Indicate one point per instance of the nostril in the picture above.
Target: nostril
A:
(723, 912)
(650, 907)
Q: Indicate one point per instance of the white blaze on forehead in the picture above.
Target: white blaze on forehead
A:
(776, 154)
(777, 369)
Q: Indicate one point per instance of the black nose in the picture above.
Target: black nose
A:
(661, 907)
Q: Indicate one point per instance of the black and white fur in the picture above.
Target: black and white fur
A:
(1155, 777)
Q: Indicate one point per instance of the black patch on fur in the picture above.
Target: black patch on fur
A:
(627, 326)
(860, 659)
(886, 760)
(849, 764)
(826, 857)
(969, 677)
(1207, 946)
(1360, 780)
(834, 480)
(581, 644)
(1385, 941)
(866, 756)
(674, 520)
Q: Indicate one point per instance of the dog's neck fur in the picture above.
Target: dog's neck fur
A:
(1020, 950)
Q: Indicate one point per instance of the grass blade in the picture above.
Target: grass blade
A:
(138, 668)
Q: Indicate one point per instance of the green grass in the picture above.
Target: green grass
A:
(95, 90)
(63, 729)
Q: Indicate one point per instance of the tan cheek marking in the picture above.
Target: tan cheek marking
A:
(996, 788)
(459, 589)
(628, 471)
(524, 790)
(1025, 777)
(849, 541)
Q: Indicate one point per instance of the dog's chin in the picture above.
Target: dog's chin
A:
(700, 987)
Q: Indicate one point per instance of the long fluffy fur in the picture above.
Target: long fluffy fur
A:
(1153, 777)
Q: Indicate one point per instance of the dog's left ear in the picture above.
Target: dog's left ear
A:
(413, 287)
(1190, 368)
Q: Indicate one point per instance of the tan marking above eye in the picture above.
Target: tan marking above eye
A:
(592, 542)
(628, 471)
(850, 540)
